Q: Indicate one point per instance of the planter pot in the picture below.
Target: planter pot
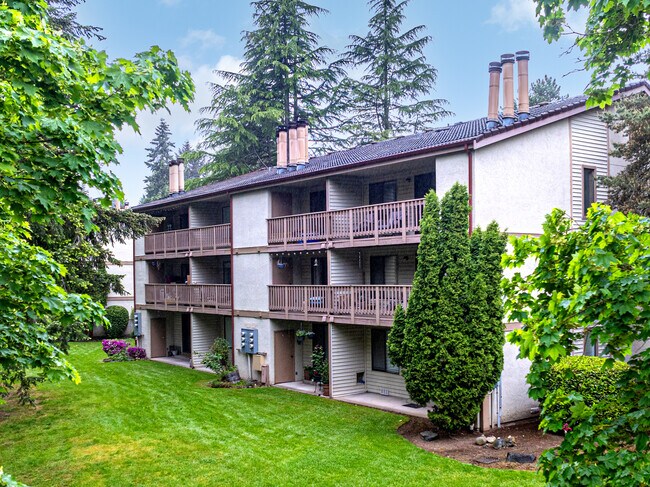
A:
(307, 375)
(300, 340)
(326, 389)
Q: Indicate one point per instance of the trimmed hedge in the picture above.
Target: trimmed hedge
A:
(118, 317)
(586, 376)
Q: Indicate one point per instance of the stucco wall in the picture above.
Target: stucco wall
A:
(252, 274)
(450, 169)
(519, 180)
(250, 211)
(516, 403)
(265, 345)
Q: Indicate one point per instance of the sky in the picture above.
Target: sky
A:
(205, 35)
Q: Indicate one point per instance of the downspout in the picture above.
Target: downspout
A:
(232, 289)
(135, 301)
(470, 184)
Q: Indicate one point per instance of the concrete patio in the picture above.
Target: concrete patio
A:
(368, 399)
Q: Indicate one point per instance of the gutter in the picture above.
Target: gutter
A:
(470, 185)
(232, 288)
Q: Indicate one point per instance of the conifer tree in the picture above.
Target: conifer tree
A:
(449, 342)
(159, 154)
(543, 90)
(284, 77)
(391, 97)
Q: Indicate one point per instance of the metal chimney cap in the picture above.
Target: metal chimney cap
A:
(280, 128)
(495, 66)
(523, 55)
(302, 123)
(292, 125)
(173, 162)
(507, 58)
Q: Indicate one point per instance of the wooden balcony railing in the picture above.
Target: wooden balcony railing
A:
(206, 296)
(191, 239)
(378, 302)
(399, 217)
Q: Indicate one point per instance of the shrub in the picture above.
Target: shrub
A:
(218, 357)
(587, 376)
(136, 353)
(320, 366)
(114, 347)
(118, 317)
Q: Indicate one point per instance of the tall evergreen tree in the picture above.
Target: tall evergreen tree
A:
(390, 99)
(159, 154)
(449, 342)
(63, 18)
(543, 90)
(629, 191)
(284, 77)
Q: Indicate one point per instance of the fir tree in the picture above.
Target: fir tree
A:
(390, 99)
(63, 18)
(544, 90)
(449, 343)
(284, 77)
(629, 191)
(159, 154)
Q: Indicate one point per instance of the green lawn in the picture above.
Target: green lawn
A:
(146, 423)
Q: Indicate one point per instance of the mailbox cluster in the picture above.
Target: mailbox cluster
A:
(248, 340)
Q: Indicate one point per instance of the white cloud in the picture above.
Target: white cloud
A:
(512, 15)
(205, 39)
(132, 169)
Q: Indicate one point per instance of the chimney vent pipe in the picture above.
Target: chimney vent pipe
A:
(302, 134)
(281, 138)
(493, 95)
(508, 63)
(181, 175)
(173, 177)
(522, 74)
(294, 150)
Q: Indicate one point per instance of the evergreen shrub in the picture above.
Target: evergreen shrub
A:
(118, 317)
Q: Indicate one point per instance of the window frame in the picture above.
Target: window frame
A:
(379, 336)
(588, 197)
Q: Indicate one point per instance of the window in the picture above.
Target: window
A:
(588, 189)
(383, 192)
(377, 270)
(183, 221)
(380, 360)
(317, 201)
(318, 271)
(225, 267)
(225, 214)
(422, 183)
(320, 338)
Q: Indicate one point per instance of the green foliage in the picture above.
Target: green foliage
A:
(596, 381)
(629, 191)
(387, 101)
(7, 481)
(615, 44)
(217, 358)
(118, 318)
(449, 343)
(284, 77)
(159, 155)
(319, 365)
(544, 90)
(62, 103)
(596, 278)
(64, 19)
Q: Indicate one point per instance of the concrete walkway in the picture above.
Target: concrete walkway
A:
(180, 361)
(368, 399)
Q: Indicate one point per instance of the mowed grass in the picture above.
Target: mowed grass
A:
(146, 423)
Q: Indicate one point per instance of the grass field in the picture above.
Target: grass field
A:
(146, 423)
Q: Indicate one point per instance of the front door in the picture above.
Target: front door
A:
(158, 337)
(186, 333)
(285, 366)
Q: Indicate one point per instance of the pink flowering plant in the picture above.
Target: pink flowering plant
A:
(121, 351)
(136, 353)
(114, 347)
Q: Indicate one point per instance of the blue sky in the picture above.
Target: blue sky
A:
(206, 35)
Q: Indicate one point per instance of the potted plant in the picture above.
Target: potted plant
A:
(308, 372)
(321, 369)
(302, 334)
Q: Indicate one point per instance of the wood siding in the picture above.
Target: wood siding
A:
(381, 381)
(344, 268)
(589, 148)
(347, 360)
(174, 330)
(344, 193)
(205, 329)
(207, 270)
(206, 214)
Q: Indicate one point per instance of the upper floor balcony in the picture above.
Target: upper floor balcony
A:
(199, 298)
(386, 224)
(365, 305)
(201, 241)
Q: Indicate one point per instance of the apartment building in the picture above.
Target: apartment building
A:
(328, 244)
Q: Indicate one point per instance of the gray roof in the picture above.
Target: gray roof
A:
(453, 135)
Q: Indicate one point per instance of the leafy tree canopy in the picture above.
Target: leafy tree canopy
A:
(391, 97)
(615, 45)
(62, 104)
(593, 278)
(629, 191)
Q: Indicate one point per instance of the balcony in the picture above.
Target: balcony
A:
(196, 242)
(362, 305)
(386, 224)
(199, 298)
